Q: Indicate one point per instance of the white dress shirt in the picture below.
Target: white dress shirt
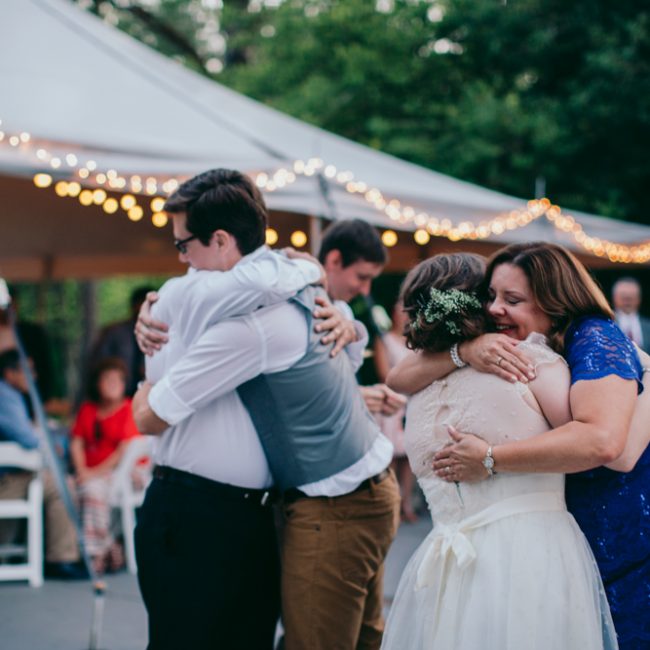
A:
(219, 441)
(631, 326)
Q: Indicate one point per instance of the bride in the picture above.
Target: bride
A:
(506, 566)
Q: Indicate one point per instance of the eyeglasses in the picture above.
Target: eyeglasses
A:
(181, 244)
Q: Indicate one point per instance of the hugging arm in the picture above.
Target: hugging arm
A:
(248, 285)
(494, 353)
(227, 355)
(339, 326)
(596, 436)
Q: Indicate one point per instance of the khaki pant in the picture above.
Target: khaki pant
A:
(333, 566)
(60, 536)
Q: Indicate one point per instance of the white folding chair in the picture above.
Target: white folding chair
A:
(31, 509)
(127, 497)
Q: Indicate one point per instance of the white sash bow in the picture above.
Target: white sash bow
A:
(451, 538)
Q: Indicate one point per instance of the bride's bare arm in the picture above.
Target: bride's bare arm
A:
(551, 389)
(495, 353)
(417, 370)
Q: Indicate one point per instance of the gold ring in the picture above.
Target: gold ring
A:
(499, 360)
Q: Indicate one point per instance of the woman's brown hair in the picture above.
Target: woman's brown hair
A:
(460, 271)
(561, 286)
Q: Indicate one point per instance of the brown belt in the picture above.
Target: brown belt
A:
(294, 494)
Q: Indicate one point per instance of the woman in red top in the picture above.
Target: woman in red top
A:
(103, 427)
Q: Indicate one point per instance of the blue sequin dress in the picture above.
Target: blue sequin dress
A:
(613, 508)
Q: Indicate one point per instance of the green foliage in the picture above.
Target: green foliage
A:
(526, 88)
(497, 92)
(60, 308)
(112, 297)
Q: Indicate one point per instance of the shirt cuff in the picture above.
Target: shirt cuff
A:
(309, 270)
(167, 405)
(356, 350)
(362, 333)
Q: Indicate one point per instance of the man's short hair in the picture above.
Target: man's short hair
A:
(9, 360)
(222, 199)
(356, 240)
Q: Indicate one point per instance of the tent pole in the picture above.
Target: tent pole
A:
(315, 234)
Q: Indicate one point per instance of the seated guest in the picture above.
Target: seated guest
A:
(100, 434)
(61, 545)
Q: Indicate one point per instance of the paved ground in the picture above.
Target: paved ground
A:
(58, 615)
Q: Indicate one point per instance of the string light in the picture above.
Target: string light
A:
(110, 206)
(298, 238)
(86, 198)
(426, 225)
(421, 237)
(135, 213)
(99, 196)
(159, 219)
(271, 237)
(157, 204)
(42, 180)
(389, 238)
(127, 201)
(61, 189)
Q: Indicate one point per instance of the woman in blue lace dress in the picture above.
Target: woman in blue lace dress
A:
(608, 486)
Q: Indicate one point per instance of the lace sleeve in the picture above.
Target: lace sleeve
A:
(596, 348)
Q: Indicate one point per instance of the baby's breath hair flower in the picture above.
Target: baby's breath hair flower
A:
(446, 307)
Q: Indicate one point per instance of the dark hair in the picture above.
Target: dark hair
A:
(461, 271)
(561, 286)
(222, 199)
(9, 360)
(138, 296)
(103, 366)
(356, 240)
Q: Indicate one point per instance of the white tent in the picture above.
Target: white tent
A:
(81, 88)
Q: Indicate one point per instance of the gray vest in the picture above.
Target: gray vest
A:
(311, 418)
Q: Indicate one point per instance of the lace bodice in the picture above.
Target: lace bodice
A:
(487, 406)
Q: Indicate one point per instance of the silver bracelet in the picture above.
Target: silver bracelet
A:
(455, 357)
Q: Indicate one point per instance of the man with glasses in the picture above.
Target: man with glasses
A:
(304, 426)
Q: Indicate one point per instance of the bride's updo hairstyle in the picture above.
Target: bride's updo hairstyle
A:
(440, 297)
(560, 284)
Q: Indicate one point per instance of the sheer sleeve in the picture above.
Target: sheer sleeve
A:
(596, 348)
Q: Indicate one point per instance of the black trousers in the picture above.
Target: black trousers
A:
(208, 569)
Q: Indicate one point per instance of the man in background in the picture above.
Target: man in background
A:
(626, 296)
(353, 256)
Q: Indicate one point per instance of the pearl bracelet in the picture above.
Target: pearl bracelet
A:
(455, 357)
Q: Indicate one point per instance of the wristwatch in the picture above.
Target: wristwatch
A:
(488, 462)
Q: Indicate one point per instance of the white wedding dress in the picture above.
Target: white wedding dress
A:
(506, 566)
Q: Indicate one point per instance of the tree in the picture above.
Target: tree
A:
(497, 92)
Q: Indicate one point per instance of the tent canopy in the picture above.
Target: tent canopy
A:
(78, 86)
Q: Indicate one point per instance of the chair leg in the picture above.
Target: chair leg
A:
(35, 535)
(128, 528)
